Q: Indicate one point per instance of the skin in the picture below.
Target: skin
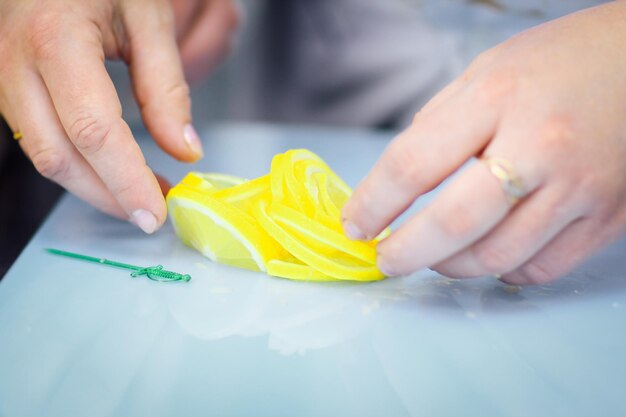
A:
(552, 101)
(204, 30)
(55, 90)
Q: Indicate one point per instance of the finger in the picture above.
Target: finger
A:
(523, 233)
(50, 150)
(464, 212)
(419, 159)
(158, 79)
(72, 68)
(185, 13)
(442, 96)
(210, 39)
(576, 243)
(468, 75)
(7, 114)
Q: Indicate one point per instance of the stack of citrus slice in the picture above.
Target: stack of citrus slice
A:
(286, 223)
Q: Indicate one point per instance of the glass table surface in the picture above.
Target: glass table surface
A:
(79, 339)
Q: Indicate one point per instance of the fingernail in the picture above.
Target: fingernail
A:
(193, 140)
(352, 231)
(145, 220)
(385, 269)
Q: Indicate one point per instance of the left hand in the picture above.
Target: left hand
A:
(204, 30)
(552, 102)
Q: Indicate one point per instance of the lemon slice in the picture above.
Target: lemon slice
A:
(318, 236)
(297, 194)
(293, 269)
(220, 231)
(338, 192)
(286, 223)
(246, 194)
(277, 178)
(211, 181)
(339, 267)
(327, 212)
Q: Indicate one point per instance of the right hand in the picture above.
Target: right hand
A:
(55, 90)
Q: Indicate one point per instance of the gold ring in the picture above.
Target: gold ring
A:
(17, 135)
(512, 185)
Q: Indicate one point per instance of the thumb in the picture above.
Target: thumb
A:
(158, 79)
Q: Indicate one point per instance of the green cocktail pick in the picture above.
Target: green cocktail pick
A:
(155, 273)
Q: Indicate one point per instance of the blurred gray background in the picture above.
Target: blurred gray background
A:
(363, 63)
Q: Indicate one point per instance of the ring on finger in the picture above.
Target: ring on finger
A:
(512, 184)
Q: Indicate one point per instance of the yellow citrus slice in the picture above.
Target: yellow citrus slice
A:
(287, 223)
(210, 181)
(297, 194)
(339, 267)
(246, 194)
(293, 269)
(318, 236)
(338, 192)
(220, 231)
(277, 178)
(327, 213)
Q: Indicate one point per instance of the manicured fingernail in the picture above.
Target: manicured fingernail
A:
(193, 140)
(352, 231)
(145, 220)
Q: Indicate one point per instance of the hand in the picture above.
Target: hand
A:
(204, 31)
(551, 101)
(55, 90)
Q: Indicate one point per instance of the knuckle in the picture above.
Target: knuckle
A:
(455, 222)
(51, 164)
(496, 86)
(164, 19)
(483, 59)
(153, 102)
(416, 117)
(556, 206)
(403, 166)
(88, 132)
(179, 92)
(44, 32)
(159, 19)
(124, 190)
(556, 134)
(494, 258)
(596, 196)
(478, 64)
(129, 186)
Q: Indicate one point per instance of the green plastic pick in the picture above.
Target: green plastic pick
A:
(155, 273)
